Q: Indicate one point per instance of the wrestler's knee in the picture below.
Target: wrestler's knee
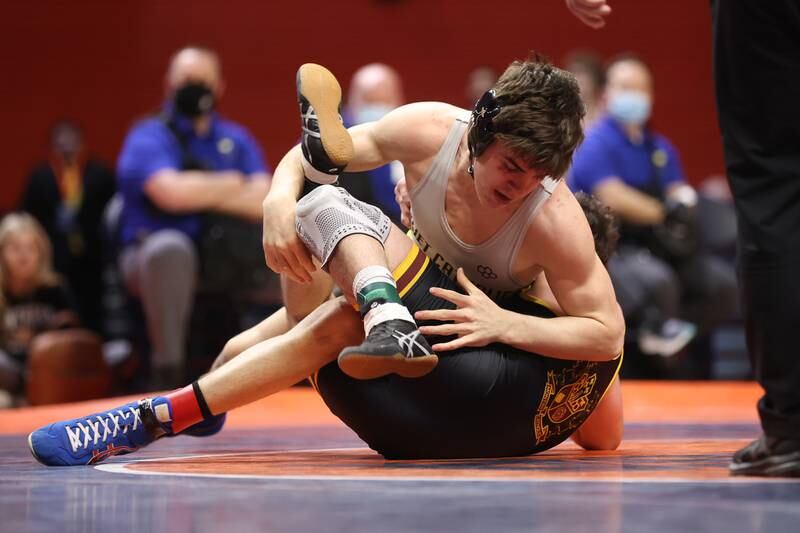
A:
(598, 441)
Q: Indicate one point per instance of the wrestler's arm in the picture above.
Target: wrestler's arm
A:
(592, 327)
(409, 134)
(276, 324)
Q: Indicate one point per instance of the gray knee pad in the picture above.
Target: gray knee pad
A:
(328, 214)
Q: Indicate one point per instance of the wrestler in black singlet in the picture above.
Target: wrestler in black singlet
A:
(494, 401)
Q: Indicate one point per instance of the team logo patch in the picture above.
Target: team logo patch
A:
(660, 158)
(486, 272)
(568, 398)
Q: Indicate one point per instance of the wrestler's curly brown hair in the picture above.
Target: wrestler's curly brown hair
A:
(540, 115)
(604, 225)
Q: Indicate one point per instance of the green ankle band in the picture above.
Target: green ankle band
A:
(379, 292)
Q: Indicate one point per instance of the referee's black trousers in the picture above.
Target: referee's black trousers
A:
(757, 75)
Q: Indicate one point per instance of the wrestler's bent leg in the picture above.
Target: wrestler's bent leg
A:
(259, 371)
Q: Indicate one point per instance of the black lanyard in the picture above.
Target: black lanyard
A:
(188, 160)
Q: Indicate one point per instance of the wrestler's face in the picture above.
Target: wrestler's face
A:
(502, 178)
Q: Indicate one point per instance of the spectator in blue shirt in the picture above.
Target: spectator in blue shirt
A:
(658, 273)
(174, 168)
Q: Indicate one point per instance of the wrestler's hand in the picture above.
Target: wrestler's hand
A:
(590, 12)
(284, 252)
(401, 196)
(477, 320)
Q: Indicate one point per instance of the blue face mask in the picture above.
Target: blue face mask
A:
(630, 107)
(370, 113)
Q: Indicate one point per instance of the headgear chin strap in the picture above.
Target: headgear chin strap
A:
(481, 125)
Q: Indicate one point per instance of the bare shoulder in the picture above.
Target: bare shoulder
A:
(561, 231)
(415, 132)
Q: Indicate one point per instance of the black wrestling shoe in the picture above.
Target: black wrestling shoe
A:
(392, 347)
(768, 456)
(326, 144)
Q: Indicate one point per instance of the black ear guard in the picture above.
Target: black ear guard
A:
(482, 129)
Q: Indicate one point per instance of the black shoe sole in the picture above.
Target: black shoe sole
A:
(787, 465)
(359, 365)
(319, 87)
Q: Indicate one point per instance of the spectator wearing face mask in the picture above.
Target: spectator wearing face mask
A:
(670, 290)
(174, 169)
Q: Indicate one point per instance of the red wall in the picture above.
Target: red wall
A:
(102, 61)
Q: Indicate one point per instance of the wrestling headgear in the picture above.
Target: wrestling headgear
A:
(481, 132)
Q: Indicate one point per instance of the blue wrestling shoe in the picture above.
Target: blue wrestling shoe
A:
(94, 438)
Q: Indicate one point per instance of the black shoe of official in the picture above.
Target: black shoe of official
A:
(392, 347)
(326, 144)
(768, 456)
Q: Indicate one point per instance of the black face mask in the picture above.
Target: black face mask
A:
(194, 100)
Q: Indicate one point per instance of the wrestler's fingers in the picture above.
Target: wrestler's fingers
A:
(441, 315)
(304, 257)
(451, 296)
(592, 6)
(269, 253)
(592, 21)
(405, 218)
(274, 261)
(401, 196)
(465, 282)
(460, 342)
(443, 329)
(289, 273)
(590, 12)
(295, 270)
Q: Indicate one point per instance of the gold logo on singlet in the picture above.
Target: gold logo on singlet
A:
(559, 404)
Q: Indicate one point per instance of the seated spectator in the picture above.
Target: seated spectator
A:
(375, 90)
(668, 287)
(588, 70)
(67, 195)
(177, 171)
(33, 298)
